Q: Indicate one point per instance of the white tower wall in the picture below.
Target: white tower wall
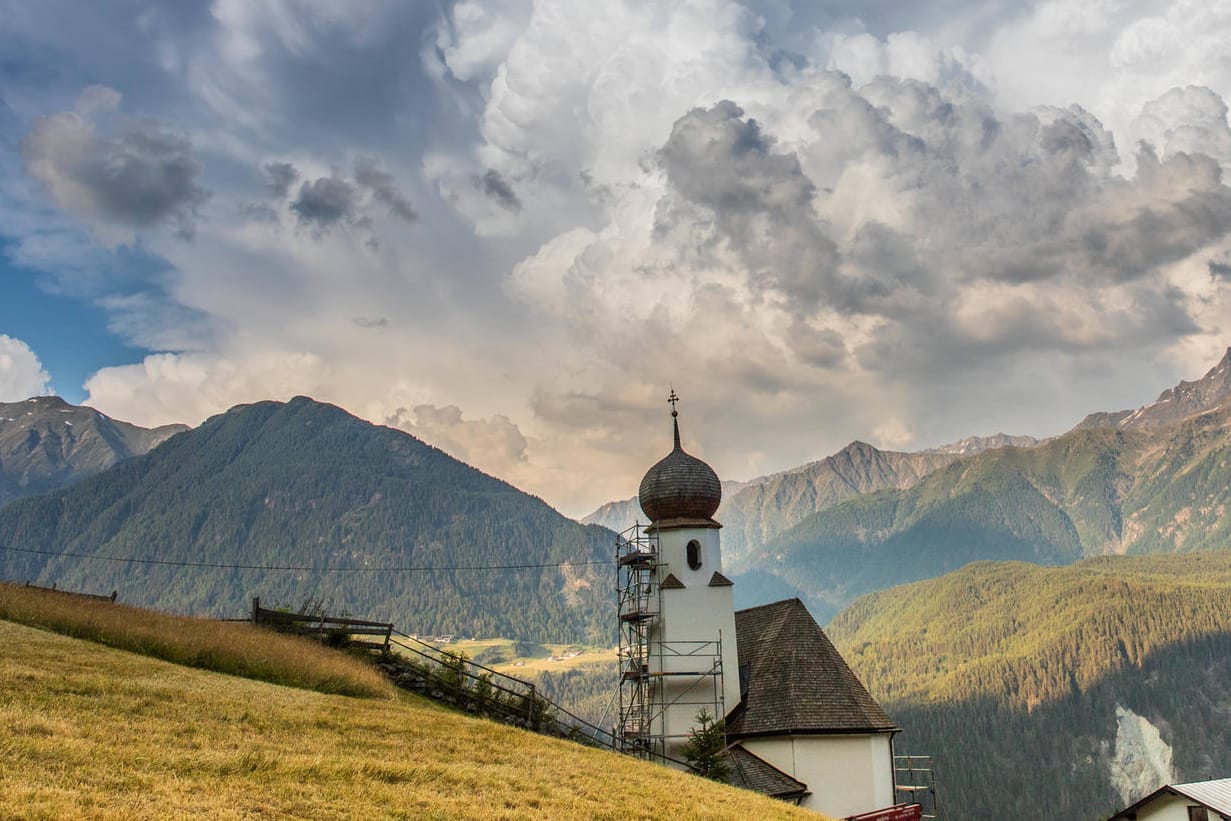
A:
(695, 622)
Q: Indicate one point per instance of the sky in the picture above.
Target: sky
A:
(509, 228)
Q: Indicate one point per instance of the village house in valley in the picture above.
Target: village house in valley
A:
(1199, 801)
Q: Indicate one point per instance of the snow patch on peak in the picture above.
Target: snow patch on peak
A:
(977, 444)
(1142, 760)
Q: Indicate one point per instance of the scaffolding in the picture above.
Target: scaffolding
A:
(656, 675)
(915, 782)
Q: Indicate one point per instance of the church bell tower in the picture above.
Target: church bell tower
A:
(677, 612)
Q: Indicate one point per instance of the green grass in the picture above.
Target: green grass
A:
(101, 733)
(227, 647)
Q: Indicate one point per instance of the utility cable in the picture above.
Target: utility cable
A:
(300, 568)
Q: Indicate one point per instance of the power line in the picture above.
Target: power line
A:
(300, 569)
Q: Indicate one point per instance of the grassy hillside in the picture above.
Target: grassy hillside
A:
(307, 485)
(1000, 666)
(238, 649)
(97, 732)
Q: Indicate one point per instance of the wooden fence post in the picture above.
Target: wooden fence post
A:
(256, 608)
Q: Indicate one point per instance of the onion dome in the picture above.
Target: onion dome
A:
(680, 486)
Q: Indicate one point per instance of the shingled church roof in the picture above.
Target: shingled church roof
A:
(754, 773)
(793, 679)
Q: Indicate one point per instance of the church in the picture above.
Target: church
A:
(799, 724)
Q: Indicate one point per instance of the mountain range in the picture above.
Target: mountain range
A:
(358, 516)
(1145, 481)
(46, 443)
(755, 511)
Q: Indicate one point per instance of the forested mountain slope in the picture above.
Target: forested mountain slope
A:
(1126, 487)
(46, 443)
(307, 485)
(1031, 685)
(754, 511)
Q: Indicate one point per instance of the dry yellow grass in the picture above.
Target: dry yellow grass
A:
(229, 647)
(98, 733)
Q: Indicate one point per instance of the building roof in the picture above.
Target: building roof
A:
(680, 486)
(754, 773)
(1213, 795)
(794, 681)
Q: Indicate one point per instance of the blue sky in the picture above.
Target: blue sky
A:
(70, 335)
(507, 227)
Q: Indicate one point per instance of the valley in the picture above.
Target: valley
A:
(1008, 600)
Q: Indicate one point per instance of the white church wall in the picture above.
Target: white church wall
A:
(846, 774)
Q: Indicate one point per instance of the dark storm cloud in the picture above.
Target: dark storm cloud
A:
(371, 176)
(325, 202)
(329, 202)
(719, 160)
(141, 178)
(494, 185)
(280, 177)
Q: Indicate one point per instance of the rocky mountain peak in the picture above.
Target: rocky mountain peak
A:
(1174, 404)
(46, 443)
(977, 444)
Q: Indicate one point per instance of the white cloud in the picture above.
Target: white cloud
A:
(1110, 57)
(21, 373)
(495, 445)
(510, 229)
(188, 388)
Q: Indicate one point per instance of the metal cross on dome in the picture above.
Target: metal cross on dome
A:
(672, 399)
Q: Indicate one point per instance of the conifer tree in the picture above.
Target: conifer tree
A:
(706, 749)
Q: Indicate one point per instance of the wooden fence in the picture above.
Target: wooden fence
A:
(442, 675)
(477, 688)
(326, 628)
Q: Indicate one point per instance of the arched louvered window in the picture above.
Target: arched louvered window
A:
(694, 554)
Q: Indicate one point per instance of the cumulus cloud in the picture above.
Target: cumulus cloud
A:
(188, 387)
(820, 222)
(477, 35)
(760, 200)
(141, 177)
(21, 373)
(495, 444)
(894, 235)
(1124, 54)
(1191, 120)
